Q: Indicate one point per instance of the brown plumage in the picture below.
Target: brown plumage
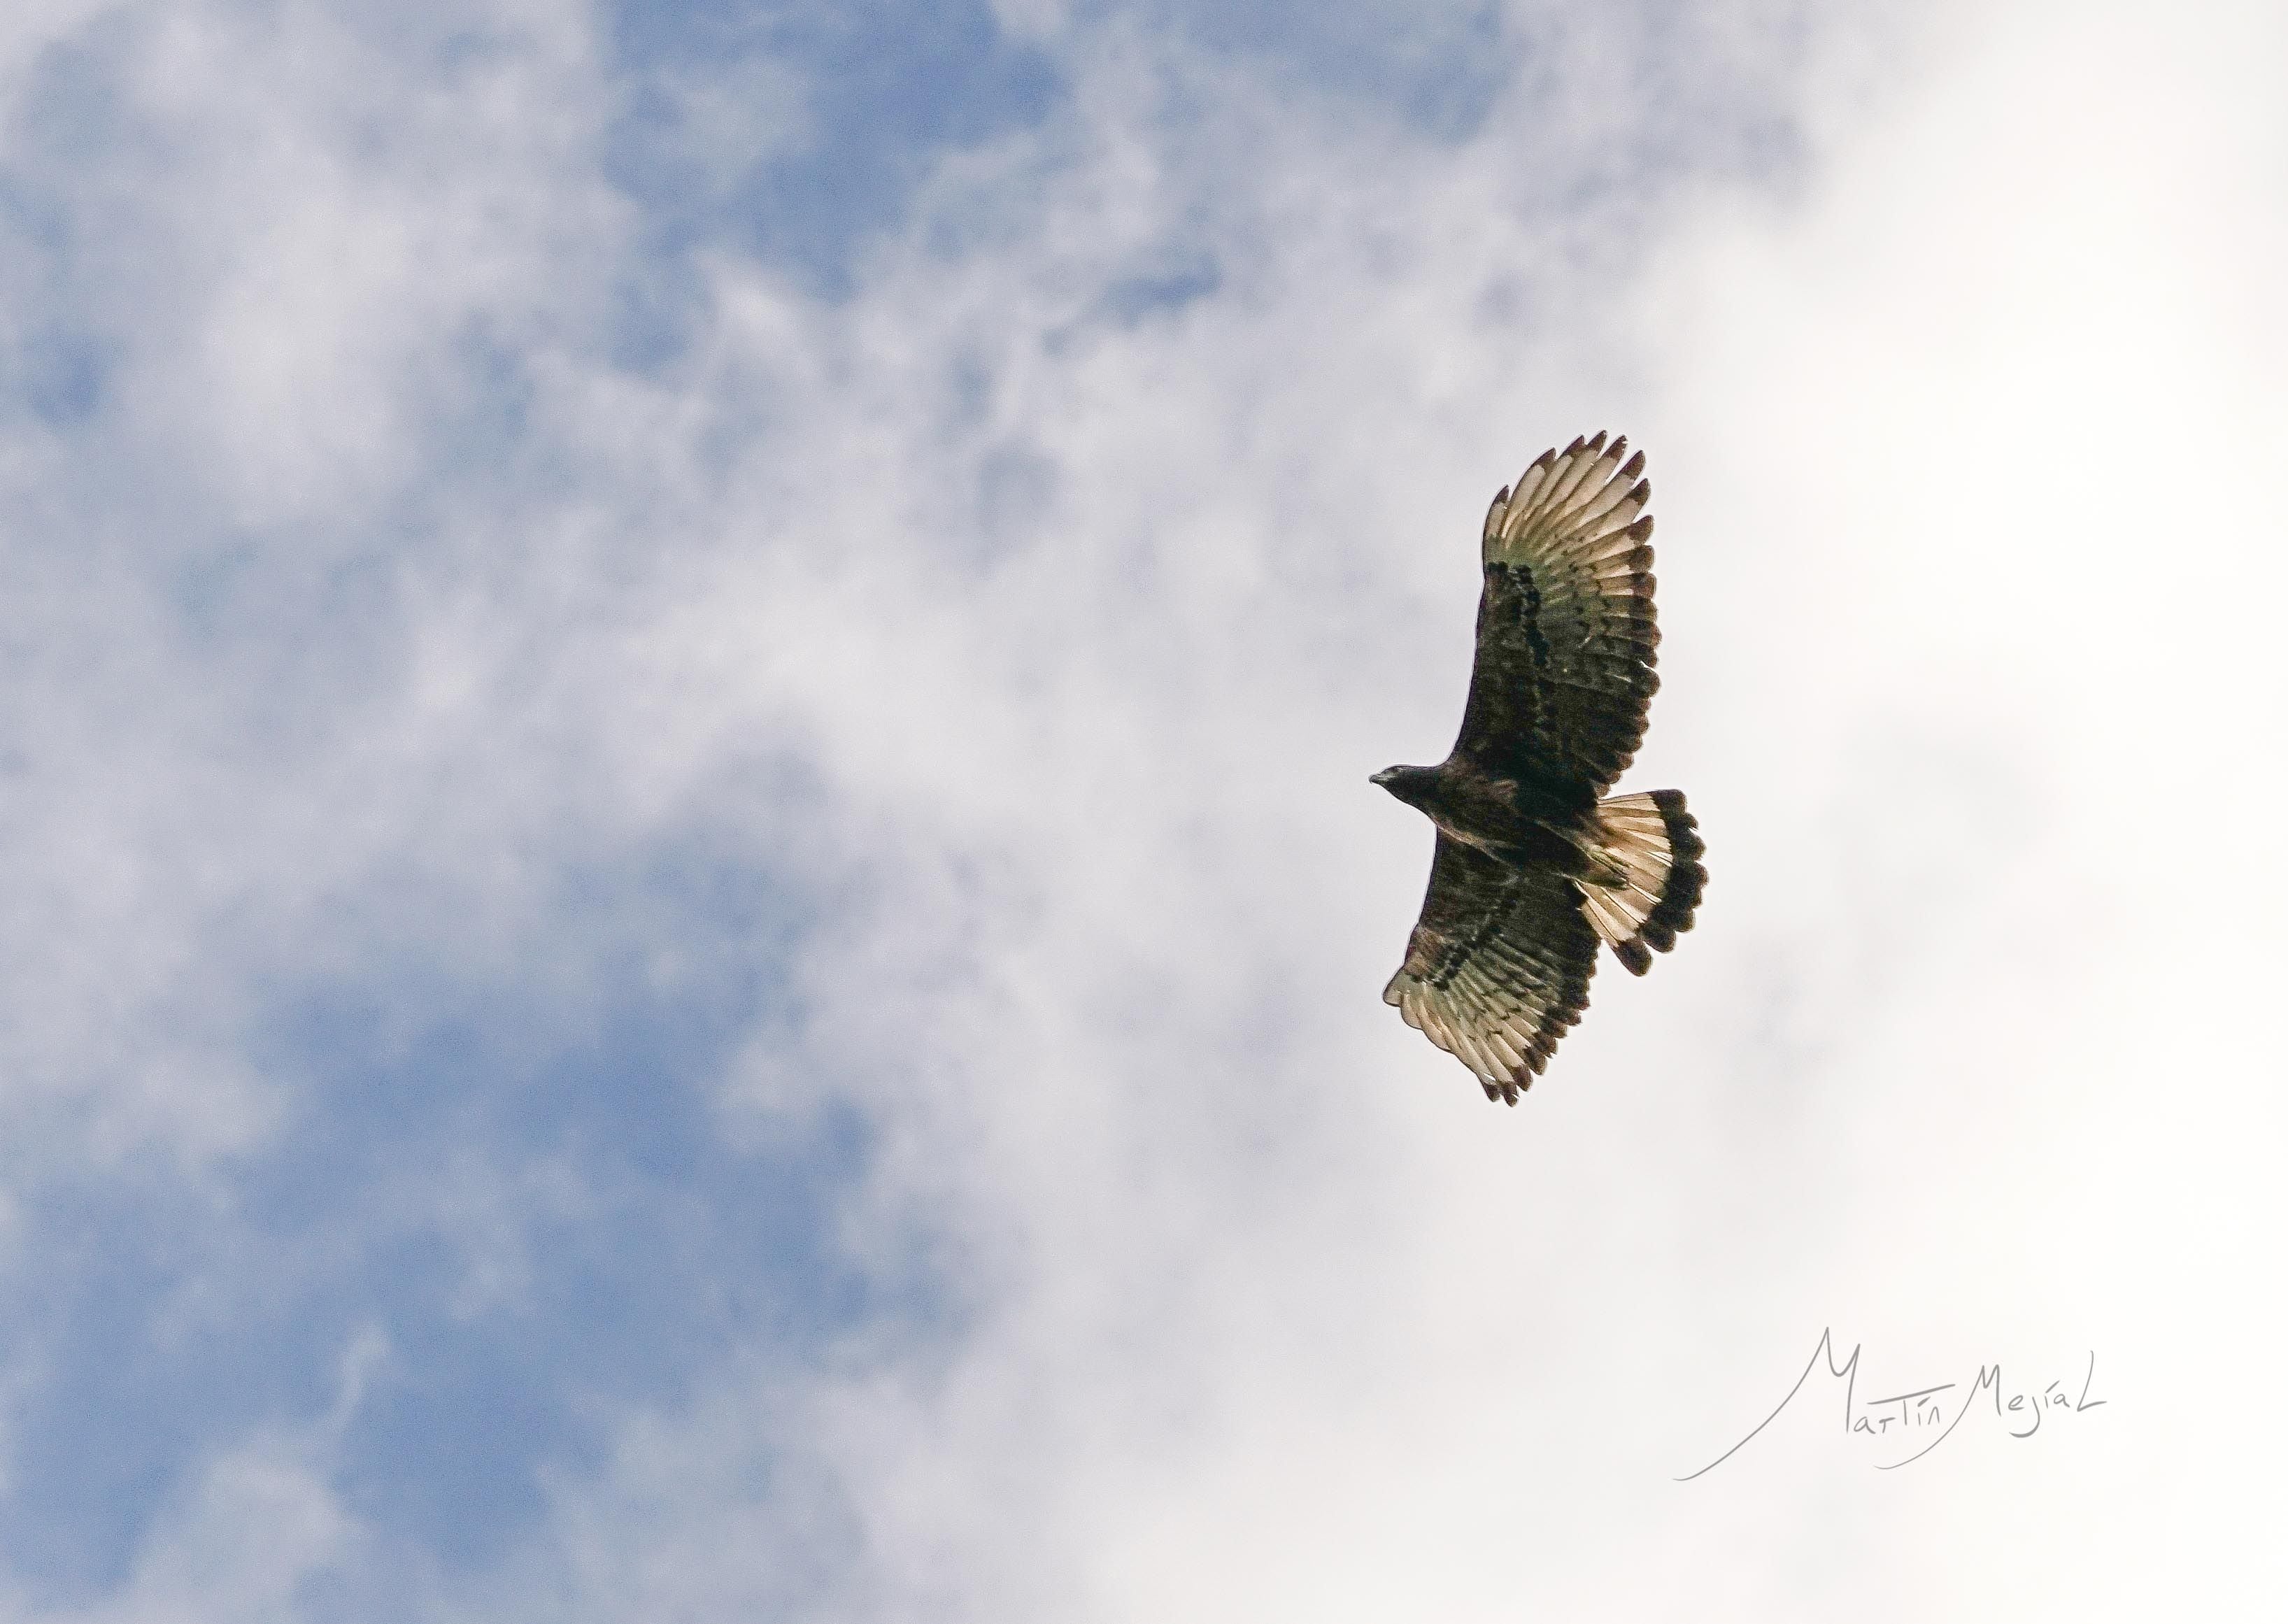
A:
(1533, 869)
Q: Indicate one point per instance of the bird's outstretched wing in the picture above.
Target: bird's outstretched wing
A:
(1498, 968)
(1564, 670)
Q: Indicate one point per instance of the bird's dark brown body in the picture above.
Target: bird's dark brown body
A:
(1506, 818)
(1535, 865)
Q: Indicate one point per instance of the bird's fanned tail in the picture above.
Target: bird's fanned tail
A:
(1646, 850)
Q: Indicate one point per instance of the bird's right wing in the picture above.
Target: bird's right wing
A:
(1498, 968)
(1564, 671)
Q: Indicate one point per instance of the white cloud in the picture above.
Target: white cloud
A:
(1275, 1329)
(206, 1565)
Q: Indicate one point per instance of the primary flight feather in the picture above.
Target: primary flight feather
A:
(1533, 867)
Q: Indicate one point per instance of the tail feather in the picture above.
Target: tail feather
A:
(1650, 850)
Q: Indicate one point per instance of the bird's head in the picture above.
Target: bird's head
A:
(1409, 784)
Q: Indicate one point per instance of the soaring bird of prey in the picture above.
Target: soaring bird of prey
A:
(1534, 867)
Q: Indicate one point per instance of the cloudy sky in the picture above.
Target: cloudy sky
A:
(693, 923)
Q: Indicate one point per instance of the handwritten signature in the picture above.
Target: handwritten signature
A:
(1907, 1416)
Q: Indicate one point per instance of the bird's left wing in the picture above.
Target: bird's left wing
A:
(1565, 635)
(1498, 968)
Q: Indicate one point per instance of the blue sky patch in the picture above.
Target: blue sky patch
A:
(528, 1203)
(871, 93)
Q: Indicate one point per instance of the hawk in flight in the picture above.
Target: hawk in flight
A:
(1533, 868)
